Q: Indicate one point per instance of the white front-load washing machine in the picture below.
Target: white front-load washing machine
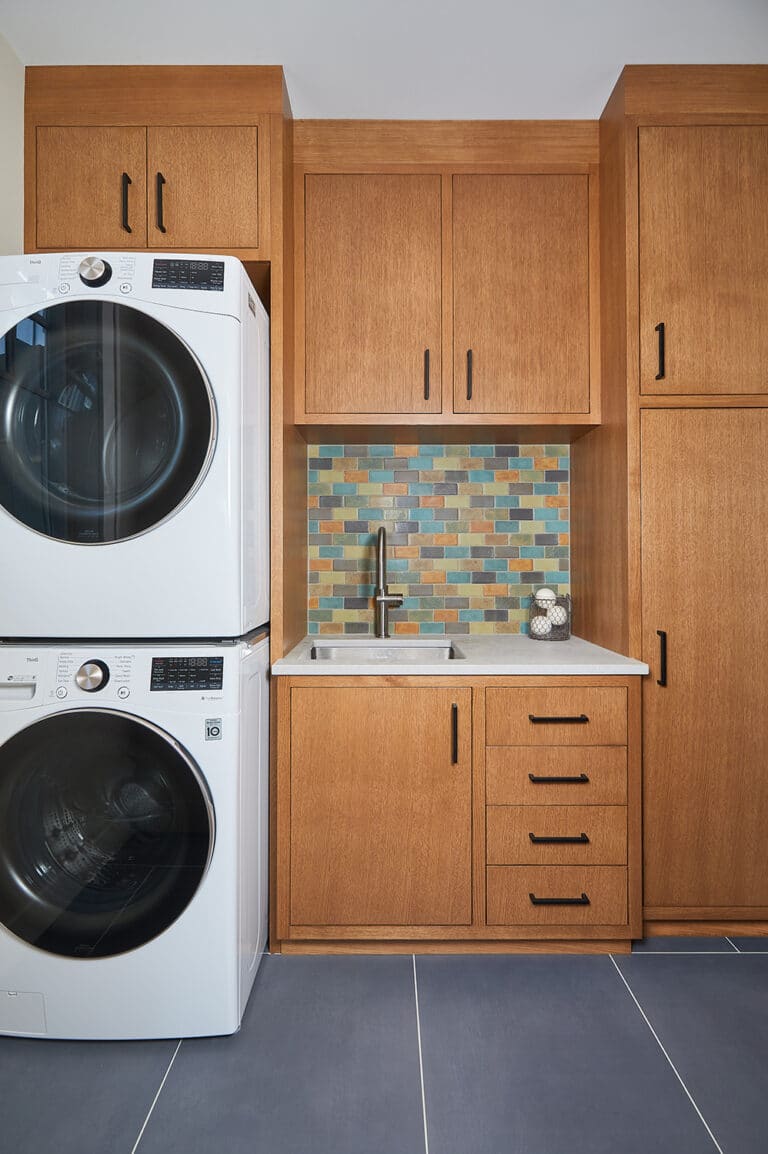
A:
(134, 447)
(133, 837)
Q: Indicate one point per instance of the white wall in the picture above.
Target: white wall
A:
(11, 150)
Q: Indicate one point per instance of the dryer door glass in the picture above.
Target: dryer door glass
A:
(106, 422)
(106, 831)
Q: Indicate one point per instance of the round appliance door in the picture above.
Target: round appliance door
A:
(106, 832)
(107, 422)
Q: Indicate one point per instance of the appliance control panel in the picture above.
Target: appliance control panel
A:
(185, 673)
(76, 274)
(203, 275)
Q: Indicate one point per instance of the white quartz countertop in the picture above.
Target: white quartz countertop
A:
(501, 655)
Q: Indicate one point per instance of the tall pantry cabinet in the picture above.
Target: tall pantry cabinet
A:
(675, 483)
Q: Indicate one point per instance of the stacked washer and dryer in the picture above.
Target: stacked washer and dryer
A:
(134, 599)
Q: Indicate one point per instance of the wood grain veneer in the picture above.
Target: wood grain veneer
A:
(510, 827)
(509, 889)
(507, 769)
(508, 716)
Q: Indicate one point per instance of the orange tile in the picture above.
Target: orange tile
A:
(546, 463)
(395, 490)
(508, 475)
(331, 527)
(313, 603)
(446, 615)
(553, 502)
(331, 627)
(432, 502)
(406, 450)
(406, 550)
(563, 539)
(355, 475)
(406, 627)
(481, 526)
(496, 539)
(435, 577)
(313, 501)
(494, 590)
(520, 564)
(320, 564)
(445, 539)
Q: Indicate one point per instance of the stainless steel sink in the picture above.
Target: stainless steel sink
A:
(363, 651)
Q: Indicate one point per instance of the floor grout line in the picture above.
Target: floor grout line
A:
(672, 1065)
(421, 1060)
(157, 1095)
(730, 943)
(680, 953)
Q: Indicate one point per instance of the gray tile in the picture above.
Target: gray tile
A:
(77, 1097)
(544, 1055)
(326, 1063)
(751, 945)
(682, 945)
(711, 1014)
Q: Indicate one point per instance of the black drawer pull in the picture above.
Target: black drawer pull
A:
(662, 678)
(469, 374)
(582, 719)
(125, 180)
(426, 374)
(454, 734)
(660, 330)
(576, 779)
(160, 181)
(582, 901)
(580, 839)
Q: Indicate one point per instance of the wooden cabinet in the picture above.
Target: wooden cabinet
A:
(399, 820)
(521, 294)
(372, 294)
(450, 295)
(380, 807)
(177, 188)
(703, 259)
(705, 732)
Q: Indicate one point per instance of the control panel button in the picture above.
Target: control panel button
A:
(123, 692)
(94, 271)
(61, 691)
(126, 288)
(64, 287)
(92, 676)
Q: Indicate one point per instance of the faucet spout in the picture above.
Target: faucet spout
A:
(383, 600)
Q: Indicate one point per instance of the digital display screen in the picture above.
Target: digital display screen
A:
(205, 275)
(180, 673)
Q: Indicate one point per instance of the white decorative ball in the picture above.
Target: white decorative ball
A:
(540, 626)
(545, 598)
(558, 615)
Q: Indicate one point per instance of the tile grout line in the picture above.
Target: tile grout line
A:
(730, 943)
(421, 1060)
(157, 1095)
(660, 1044)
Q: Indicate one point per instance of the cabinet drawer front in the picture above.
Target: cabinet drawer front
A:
(532, 834)
(509, 890)
(556, 716)
(556, 775)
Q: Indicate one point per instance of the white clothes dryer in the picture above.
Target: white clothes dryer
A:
(134, 447)
(133, 838)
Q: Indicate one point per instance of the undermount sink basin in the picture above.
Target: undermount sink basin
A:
(369, 650)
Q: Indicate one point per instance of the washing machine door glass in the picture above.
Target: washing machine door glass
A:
(106, 832)
(107, 422)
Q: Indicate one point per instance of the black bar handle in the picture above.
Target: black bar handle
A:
(582, 901)
(582, 719)
(660, 330)
(580, 839)
(662, 678)
(576, 779)
(469, 374)
(426, 374)
(160, 179)
(454, 734)
(125, 181)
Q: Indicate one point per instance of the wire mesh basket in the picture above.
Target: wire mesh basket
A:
(549, 617)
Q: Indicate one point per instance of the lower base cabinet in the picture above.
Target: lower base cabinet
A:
(398, 825)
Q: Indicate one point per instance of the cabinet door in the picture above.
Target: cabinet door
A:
(203, 187)
(380, 810)
(372, 294)
(705, 734)
(704, 259)
(521, 294)
(82, 197)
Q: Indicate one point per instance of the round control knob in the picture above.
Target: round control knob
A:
(92, 676)
(94, 271)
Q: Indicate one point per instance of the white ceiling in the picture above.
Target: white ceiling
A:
(503, 59)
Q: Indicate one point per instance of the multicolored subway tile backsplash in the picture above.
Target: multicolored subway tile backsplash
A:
(472, 530)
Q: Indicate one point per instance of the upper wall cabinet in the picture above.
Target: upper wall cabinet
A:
(521, 294)
(703, 260)
(372, 294)
(165, 187)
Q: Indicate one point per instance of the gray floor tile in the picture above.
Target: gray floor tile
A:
(326, 1063)
(751, 945)
(682, 946)
(77, 1097)
(544, 1055)
(711, 1014)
